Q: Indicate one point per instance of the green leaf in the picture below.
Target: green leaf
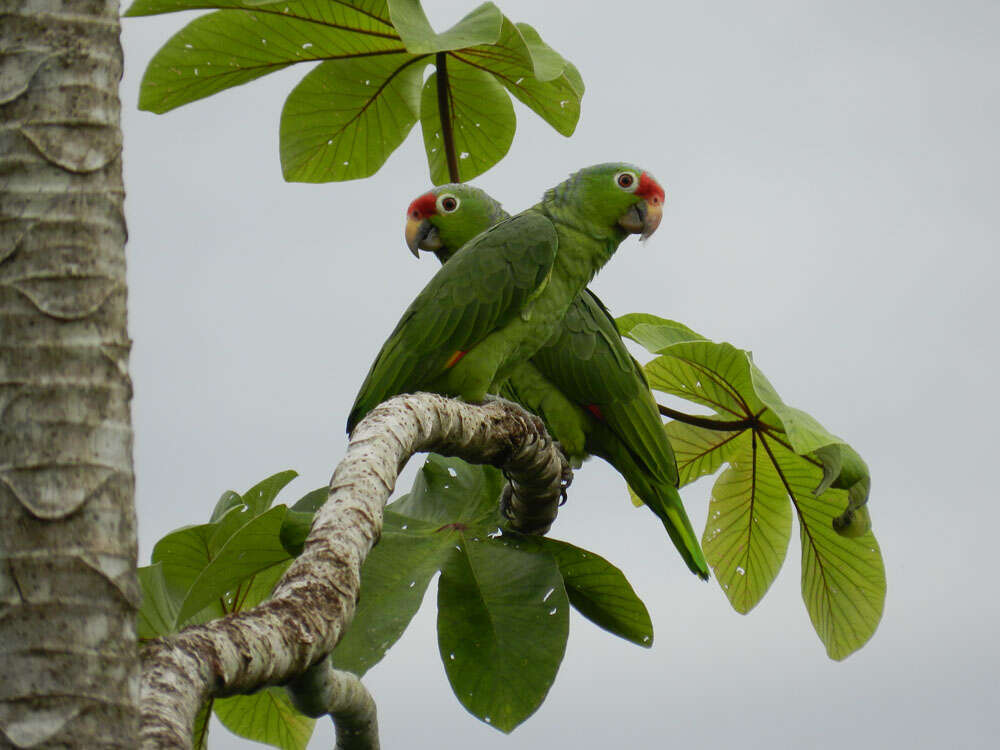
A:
(557, 101)
(346, 116)
(843, 579)
(393, 581)
(784, 453)
(483, 122)
(257, 588)
(502, 628)
(698, 450)
(481, 26)
(299, 518)
(183, 554)
(654, 333)
(354, 109)
(546, 62)
(235, 518)
(714, 375)
(158, 610)
(259, 497)
(227, 502)
(449, 490)
(843, 468)
(368, 15)
(803, 431)
(600, 592)
(749, 525)
(253, 548)
(313, 500)
(268, 717)
(294, 530)
(232, 47)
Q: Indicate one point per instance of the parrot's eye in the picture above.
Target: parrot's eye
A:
(447, 204)
(626, 181)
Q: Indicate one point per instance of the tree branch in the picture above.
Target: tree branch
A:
(735, 425)
(444, 113)
(314, 602)
(322, 690)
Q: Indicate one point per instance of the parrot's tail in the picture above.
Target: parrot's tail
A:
(659, 495)
(665, 502)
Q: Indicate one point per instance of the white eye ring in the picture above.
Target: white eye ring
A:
(448, 203)
(630, 180)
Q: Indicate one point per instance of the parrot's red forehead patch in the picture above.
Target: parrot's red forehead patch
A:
(650, 188)
(422, 207)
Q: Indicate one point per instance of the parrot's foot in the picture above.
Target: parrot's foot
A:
(505, 498)
(566, 479)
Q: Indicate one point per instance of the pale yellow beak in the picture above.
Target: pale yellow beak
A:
(643, 217)
(421, 235)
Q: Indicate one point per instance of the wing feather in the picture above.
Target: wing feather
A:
(481, 288)
(590, 364)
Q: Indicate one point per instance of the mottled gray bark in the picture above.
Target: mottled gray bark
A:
(314, 602)
(68, 591)
(322, 690)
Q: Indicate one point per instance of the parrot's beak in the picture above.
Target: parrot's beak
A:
(643, 218)
(421, 235)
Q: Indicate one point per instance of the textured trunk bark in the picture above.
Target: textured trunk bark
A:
(68, 591)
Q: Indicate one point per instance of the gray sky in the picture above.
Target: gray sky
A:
(831, 176)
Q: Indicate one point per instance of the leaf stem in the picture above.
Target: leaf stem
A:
(441, 62)
(735, 425)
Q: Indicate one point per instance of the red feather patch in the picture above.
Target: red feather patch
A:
(595, 410)
(422, 207)
(648, 188)
(453, 360)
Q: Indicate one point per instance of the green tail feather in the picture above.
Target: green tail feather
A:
(665, 502)
(661, 498)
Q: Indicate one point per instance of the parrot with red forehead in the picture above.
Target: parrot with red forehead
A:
(505, 293)
(591, 393)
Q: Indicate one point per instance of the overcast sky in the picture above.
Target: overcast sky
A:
(831, 177)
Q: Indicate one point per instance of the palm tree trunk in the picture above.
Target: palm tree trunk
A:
(68, 591)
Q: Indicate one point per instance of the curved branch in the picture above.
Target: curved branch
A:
(314, 601)
(322, 690)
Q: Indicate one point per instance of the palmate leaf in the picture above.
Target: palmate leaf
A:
(228, 565)
(158, 611)
(208, 570)
(600, 592)
(482, 121)
(267, 716)
(231, 47)
(843, 578)
(749, 525)
(503, 599)
(348, 114)
(516, 65)
(481, 26)
(780, 459)
(255, 547)
(503, 621)
(394, 579)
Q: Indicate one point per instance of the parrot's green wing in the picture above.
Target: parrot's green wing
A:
(590, 364)
(482, 288)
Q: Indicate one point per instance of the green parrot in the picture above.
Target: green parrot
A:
(591, 393)
(504, 295)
